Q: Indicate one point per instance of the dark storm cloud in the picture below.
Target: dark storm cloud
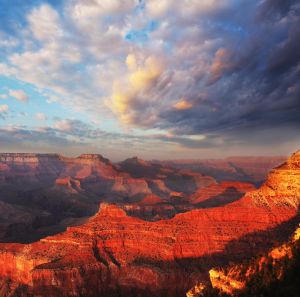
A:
(254, 81)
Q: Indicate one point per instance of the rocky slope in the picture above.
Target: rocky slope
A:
(114, 254)
(276, 273)
(281, 189)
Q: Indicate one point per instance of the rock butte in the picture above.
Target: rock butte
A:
(114, 254)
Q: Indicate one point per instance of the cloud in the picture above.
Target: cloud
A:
(41, 116)
(19, 95)
(215, 68)
(44, 23)
(222, 63)
(182, 105)
(4, 108)
(141, 76)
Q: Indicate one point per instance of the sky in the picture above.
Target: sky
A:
(158, 79)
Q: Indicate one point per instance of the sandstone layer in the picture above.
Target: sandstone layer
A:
(113, 254)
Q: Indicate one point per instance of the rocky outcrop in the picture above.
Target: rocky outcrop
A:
(220, 194)
(273, 274)
(280, 190)
(282, 186)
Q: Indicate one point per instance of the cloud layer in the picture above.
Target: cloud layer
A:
(213, 73)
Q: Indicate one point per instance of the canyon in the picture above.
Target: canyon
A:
(247, 169)
(42, 194)
(158, 243)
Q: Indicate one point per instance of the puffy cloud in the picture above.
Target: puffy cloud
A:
(142, 75)
(19, 95)
(44, 23)
(157, 8)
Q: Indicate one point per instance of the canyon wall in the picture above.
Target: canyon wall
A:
(113, 254)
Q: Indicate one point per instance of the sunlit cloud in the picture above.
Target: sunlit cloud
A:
(19, 95)
(183, 104)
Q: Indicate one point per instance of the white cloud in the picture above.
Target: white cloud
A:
(63, 125)
(19, 95)
(44, 23)
(4, 108)
(41, 116)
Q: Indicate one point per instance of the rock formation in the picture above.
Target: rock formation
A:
(114, 254)
(276, 273)
(251, 169)
(52, 189)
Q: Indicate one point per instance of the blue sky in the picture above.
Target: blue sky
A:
(158, 78)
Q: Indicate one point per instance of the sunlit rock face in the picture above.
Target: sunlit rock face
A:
(114, 254)
(262, 276)
(280, 191)
(282, 187)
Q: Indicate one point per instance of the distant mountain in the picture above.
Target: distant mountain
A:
(248, 169)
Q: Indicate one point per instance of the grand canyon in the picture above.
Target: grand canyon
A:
(88, 227)
(149, 148)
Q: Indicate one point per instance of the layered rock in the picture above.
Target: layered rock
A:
(114, 254)
(273, 274)
(282, 187)
(63, 189)
(220, 194)
(117, 255)
(281, 190)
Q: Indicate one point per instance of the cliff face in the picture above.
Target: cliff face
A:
(282, 187)
(117, 255)
(281, 190)
(114, 254)
(38, 192)
(275, 273)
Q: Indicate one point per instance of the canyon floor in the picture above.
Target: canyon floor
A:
(88, 227)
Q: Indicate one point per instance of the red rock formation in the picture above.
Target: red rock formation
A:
(220, 194)
(274, 273)
(114, 254)
(282, 188)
